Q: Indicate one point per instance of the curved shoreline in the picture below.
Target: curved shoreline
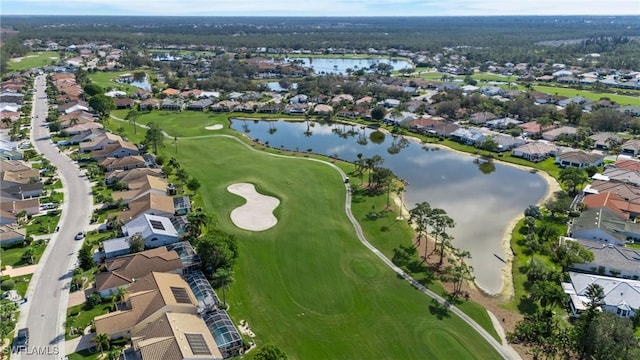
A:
(507, 291)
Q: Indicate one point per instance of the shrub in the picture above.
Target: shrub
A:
(7, 285)
(94, 300)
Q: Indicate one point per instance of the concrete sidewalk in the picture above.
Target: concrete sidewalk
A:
(19, 271)
(80, 343)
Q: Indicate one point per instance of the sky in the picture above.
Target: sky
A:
(320, 7)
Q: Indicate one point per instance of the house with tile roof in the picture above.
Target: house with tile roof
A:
(175, 336)
(118, 149)
(610, 259)
(123, 271)
(470, 136)
(621, 296)
(11, 234)
(605, 226)
(553, 134)
(123, 163)
(579, 159)
(130, 175)
(149, 203)
(99, 141)
(625, 209)
(631, 148)
(147, 299)
(628, 164)
(535, 151)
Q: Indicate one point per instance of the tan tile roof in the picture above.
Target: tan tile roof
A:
(14, 165)
(21, 176)
(132, 175)
(112, 162)
(149, 201)
(124, 270)
(145, 297)
(165, 338)
(141, 186)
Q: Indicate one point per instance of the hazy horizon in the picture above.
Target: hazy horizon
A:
(328, 8)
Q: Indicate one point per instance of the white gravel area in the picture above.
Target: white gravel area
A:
(257, 213)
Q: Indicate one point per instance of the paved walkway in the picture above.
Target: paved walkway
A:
(19, 271)
(504, 349)
(80, 343)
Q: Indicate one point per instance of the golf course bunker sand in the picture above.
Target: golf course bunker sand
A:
(214, 127)
(257, 213)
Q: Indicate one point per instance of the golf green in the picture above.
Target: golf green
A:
(307, 284)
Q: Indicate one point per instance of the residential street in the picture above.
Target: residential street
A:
(45, 311)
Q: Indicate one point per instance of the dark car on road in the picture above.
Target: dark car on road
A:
(22, 339)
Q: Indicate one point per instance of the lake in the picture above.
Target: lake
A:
(139, 80)
(340, 65)
(483, 200)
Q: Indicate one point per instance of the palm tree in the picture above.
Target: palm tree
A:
(196, 220)
(572, 178)
(222, 279)
(114, 354)
(118, 297)
(102, 342)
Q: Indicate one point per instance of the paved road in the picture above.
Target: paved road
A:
(505, 350)
(45, 311)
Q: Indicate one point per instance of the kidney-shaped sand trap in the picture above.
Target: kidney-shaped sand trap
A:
(257, 213)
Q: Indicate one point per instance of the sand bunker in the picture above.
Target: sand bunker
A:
(257, 213)
(214, 127)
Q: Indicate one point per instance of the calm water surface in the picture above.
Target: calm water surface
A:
(340, 65)
(483, 205)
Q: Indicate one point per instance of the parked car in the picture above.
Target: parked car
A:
(79, 236)
(22, 339)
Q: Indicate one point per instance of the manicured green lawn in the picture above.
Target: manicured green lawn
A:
(309, 275)
(32, 60)
(45, 224)
(13, 256)
(80, 316)
(620, 99)
(84, 355)
(22, 283)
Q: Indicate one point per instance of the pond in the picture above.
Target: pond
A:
(138, 79)
(340, 65)
(483, 199)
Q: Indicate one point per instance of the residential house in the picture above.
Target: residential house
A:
(532, 128)
(117, 150)
(503, 123)
(621, 296)
(506, 142)
(98, 140)
(78, 128)
(200, 105)
(553, 134)
(299, 99)
(579, 159)
(611, 260)
(148, 203)
(147, 299)
(630, 148)
(127, 176)
(7, 218)
(142, 186)
(156, 230)
(605, 226)
(391, 103)
(111, 164)
(492, 90)
(123, 103)
(626, 191)
(469, 136)
(482, 117)
(322, 109)
(11, 234)
(172, 104)
(603, 140)
(123, 271)
(628, 164)
(175, 336)
(224, 332)
(85, 136)
(150, 104)
(16, 203)
(630, 177)
(623, 208)
(224, 106)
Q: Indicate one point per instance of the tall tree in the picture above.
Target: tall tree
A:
(420, 216)
(154, 136)
(441, 223)
(222, 279)
(132, 116)
(136, 242)
(102, 104)
(572, 178)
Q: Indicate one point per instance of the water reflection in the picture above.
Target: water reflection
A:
(483, 203)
